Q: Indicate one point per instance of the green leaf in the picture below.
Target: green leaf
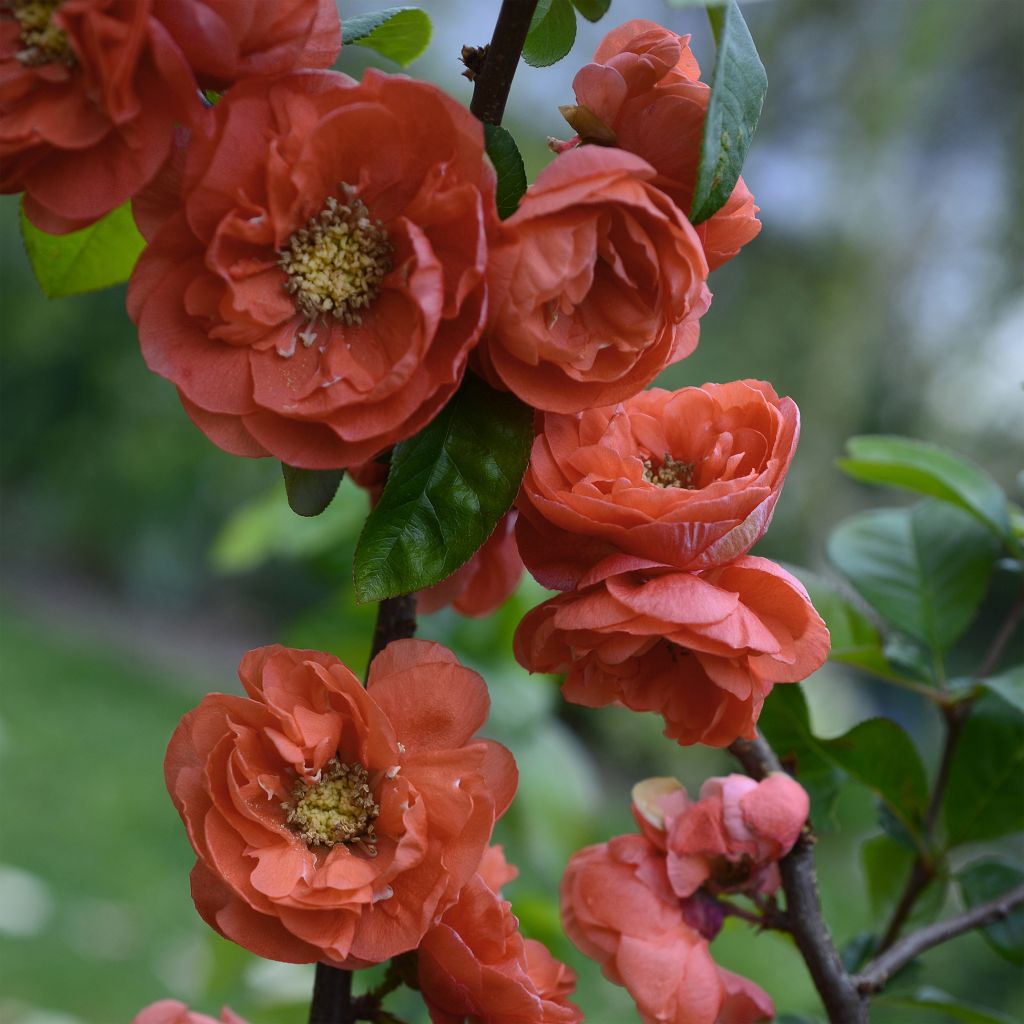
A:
(886, 865)
(399, 33)
(310, 491)
(931, 470)
(1009, 685)
(925, 569)
(881, 756)
(737, 95)
(947, 1006)
(985, 880)
(592, 10)
(983, 795)
(508, 164)
(552, 33)
(447, 488)
(98, 256)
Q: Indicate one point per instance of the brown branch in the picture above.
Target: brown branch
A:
(495, 67)
(839, 994)
(883, 967)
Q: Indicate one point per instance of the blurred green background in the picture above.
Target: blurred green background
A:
(139, 562)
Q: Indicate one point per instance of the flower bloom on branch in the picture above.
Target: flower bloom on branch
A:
(620, 911)
(171, 1011)
(703, 649)
(332, 822)
(687, 478)
(729, 840)
(91, 90)
(317, 294)
(474, 963)
(599, 285)
(642, 94)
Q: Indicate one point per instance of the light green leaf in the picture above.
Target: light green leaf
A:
(931, 470)
(552, 33)
(399, 33)
(1009, 685)
(98, 256)
(592, 10)
(310, 491)
(737, 95)
(985, 880)
(508, 165)
(447, 488)
(944, 1005)
(925, 569)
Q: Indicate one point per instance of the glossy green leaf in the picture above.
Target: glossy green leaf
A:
(943, 1005)
(447, 488)
(881, 756)
(509, 167)
(310, 491)
(1009, 685)
(931, 470)
(925, 569)
(983, 795)
(552, 33)
(592, 10)
(98, 256)
(399, 33)
(737, 95)
(985, 880)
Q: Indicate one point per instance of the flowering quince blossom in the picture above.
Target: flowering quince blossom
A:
(599, 282)
(317, 291)
(332, 822)
(731, 838)
(701, 649)
(688, 478)
(91, 90)
(170, 1011)
(642, 94)
(619, 909)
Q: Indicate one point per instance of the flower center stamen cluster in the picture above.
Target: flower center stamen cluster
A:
(336, 263)
(45, 42)
(339, 808)
(671, 473)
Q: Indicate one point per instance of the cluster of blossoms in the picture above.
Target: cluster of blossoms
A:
(646, 906)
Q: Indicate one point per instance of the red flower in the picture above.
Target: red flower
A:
(642, 94)
(317, 294)
(702, 649)
(686, 478)
(90, 90)
(332, 822)
(600, 284)
(170, 1011)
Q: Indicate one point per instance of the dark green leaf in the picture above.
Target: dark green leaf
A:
(399, 33)
(98, 256)
(448, 487)
(592, 10)
(508, 164)
(983, 795)
(1009, 685)
(881, 756)
(925, 569)
(931, 470)
(310, 491)
(856, 953)
(886, 865)
(737, 95)
(985, 880)
(552, 33)
(944, 1005)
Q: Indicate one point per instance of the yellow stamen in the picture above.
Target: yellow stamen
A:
(671, 473)
(339, 808)
(45, 42)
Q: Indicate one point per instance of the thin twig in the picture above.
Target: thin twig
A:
(493, 80)
(883, 967)
(839, 995)
(1002, 638)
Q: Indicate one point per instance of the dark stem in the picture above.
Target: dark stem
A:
(491, 83)
(1002, 638)
(883, 967)
(332, 996)
(839, 995)
(396, 620)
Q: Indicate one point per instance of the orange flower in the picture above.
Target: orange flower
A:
(701, 649)
(642, 94)
(90, 90)
(475, 964)
(170, 1011)
(332, 822)
(687, 478)
(316, 296)
(600, 284)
